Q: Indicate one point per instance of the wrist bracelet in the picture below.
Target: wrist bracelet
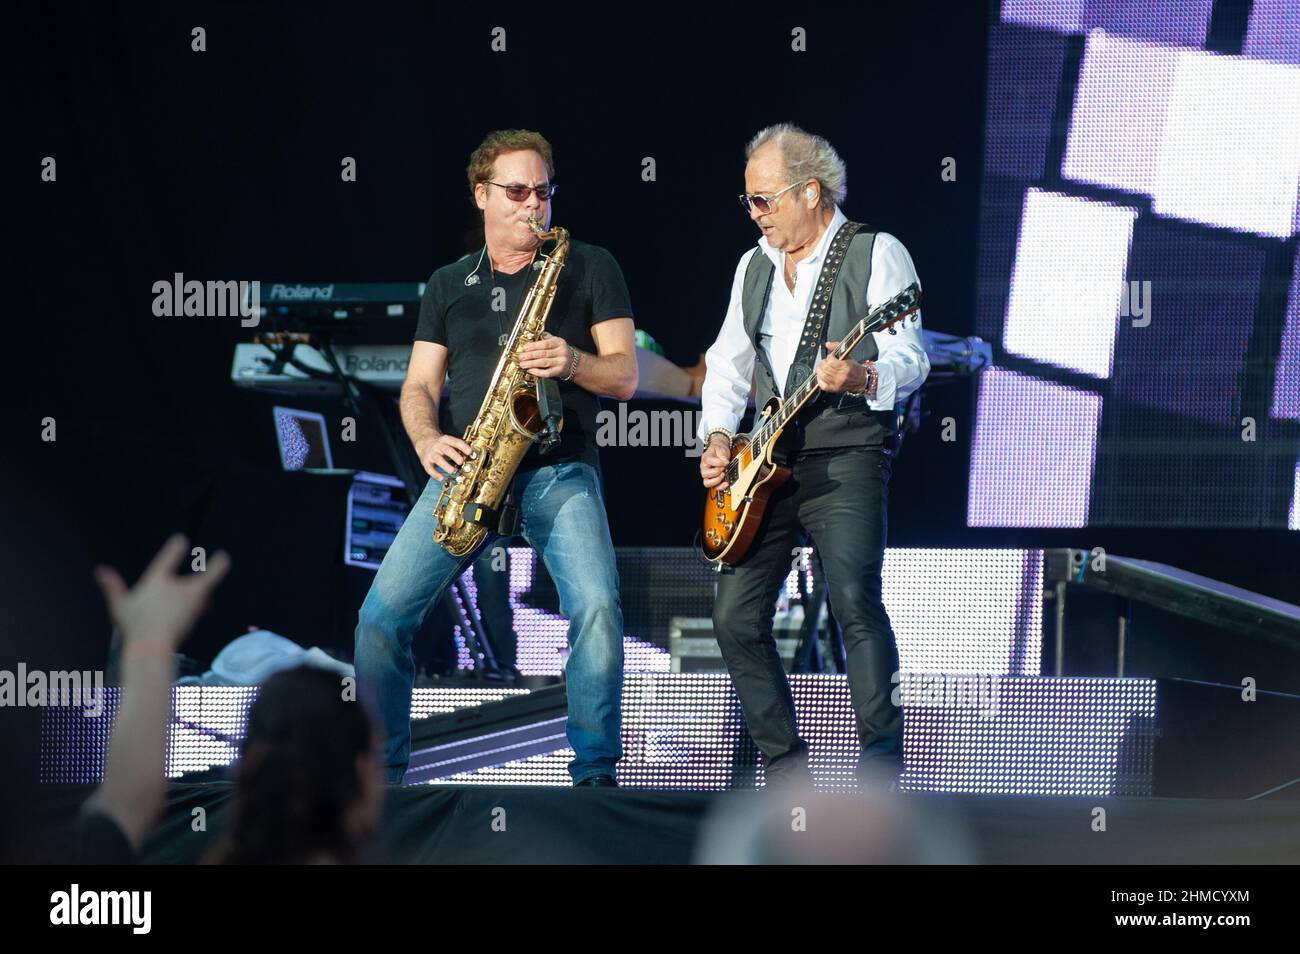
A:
(708, 438)
(573, 364)
(868, 384)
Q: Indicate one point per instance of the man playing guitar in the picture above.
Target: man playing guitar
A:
(839, 448)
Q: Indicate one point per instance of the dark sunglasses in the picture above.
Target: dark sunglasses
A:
(519, 193)
(764, 203)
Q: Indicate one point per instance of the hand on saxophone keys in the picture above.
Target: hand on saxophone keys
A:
(443, 455)
(548, 357)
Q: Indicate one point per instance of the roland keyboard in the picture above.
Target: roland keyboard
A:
(255, 366)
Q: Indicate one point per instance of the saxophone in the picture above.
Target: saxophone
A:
(508, 423)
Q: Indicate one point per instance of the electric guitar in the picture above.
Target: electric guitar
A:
(732, 516)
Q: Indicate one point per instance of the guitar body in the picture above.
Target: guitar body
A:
(732, 517)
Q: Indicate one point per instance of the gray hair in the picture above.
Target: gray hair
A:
(806, 157)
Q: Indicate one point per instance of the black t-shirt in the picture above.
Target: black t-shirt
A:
(460, 317)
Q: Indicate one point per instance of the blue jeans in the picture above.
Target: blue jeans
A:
(562, 516)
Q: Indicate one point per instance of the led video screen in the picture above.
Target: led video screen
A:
(1138, 267)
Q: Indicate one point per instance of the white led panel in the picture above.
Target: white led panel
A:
(965, 610)
(1066, 283)
(1119, 113)
(1230, 154)
(964, 732)
(1003, 735)
(1293, 516)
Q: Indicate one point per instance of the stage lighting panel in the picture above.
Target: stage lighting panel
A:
(1161, 468)
(1063, 16)
(1033, 452)
(965, 732)
(1203, 292)
(1273, 31)
(1027, 64)
(1203, 150)
(1230, 152)
(1286, 381)
(1293, 516)
(1053, 736)
(441, 700)
(1069, 275)
(937, 628)
(1119, 111)
(1178, 22)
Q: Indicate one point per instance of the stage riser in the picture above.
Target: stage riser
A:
(939, 624)
(1012, 735)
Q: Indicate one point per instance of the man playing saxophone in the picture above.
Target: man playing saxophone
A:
(466, 317)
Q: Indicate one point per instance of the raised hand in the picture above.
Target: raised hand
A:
(163, 605)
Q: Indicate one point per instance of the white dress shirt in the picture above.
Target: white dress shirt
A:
(901, 365)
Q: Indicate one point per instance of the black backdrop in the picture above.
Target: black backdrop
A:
(225, 164)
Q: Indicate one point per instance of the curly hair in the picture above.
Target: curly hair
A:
(501, 141)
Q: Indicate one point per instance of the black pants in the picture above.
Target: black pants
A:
(839, 498)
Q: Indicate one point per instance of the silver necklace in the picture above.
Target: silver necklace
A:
(502, 336)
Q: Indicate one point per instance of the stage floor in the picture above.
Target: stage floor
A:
(449, 824)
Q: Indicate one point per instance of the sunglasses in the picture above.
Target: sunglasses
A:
(519, 193)
(764, 203)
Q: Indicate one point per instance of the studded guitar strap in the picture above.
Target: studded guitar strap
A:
(814, 326)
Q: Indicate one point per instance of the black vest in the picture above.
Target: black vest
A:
(831, 420)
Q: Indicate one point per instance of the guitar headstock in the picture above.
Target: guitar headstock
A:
(886, 316)
(896, 309)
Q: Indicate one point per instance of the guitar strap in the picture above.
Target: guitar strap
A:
(814, 325)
